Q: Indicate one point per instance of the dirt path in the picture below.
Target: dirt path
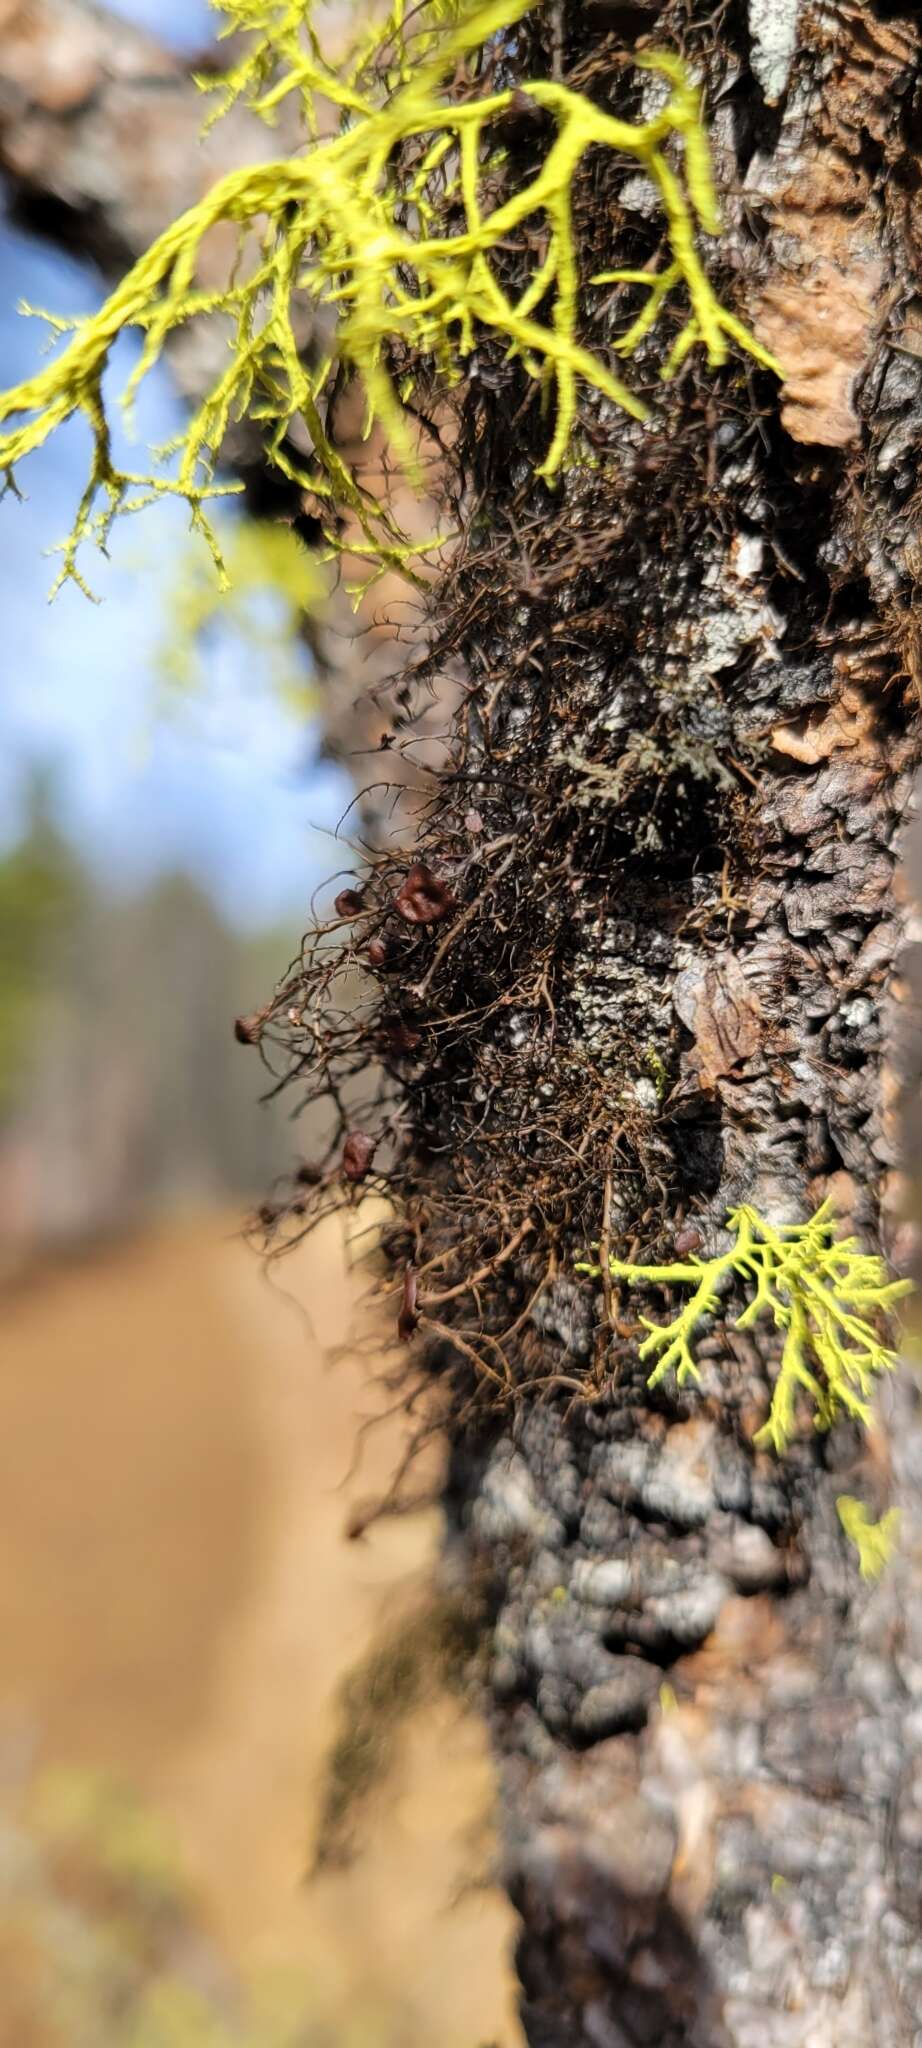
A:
(177, 1603)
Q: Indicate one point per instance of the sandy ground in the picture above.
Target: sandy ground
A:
(177, 1603)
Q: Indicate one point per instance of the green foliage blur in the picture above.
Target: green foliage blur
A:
(102, 1944)
(41, 892)
(274, 584)
(122, 1091)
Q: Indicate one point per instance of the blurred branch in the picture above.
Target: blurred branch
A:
(100, 129)
(101, 145)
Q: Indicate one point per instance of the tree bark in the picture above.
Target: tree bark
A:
(666, 982)
(736, 1860)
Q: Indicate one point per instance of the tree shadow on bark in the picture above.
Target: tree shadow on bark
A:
(626, 1965)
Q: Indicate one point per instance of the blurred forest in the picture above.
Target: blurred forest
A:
(179, 1609)
(122, 1092)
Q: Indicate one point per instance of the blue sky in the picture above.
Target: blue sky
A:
(187, 24)
(229, 786)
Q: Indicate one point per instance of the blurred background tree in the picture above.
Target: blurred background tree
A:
(41, 896)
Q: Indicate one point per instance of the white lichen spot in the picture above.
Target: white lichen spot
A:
(638, 194)
(744, 619)
(748, 551)
(723, 635)
(601, 1582)
(773, 28)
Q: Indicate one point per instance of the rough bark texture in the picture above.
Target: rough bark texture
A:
(643, 968)
(661, 981)
(742, 1865)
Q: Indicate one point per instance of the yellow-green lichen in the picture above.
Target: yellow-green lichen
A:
(349, 238)
(656, 1069)
(820, 1290)
(275, 583)
(875, 1542)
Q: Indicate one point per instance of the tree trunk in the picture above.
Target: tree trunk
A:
(722, 627)
(659, 981)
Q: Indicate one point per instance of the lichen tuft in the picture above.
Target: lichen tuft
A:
(820, 1290)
